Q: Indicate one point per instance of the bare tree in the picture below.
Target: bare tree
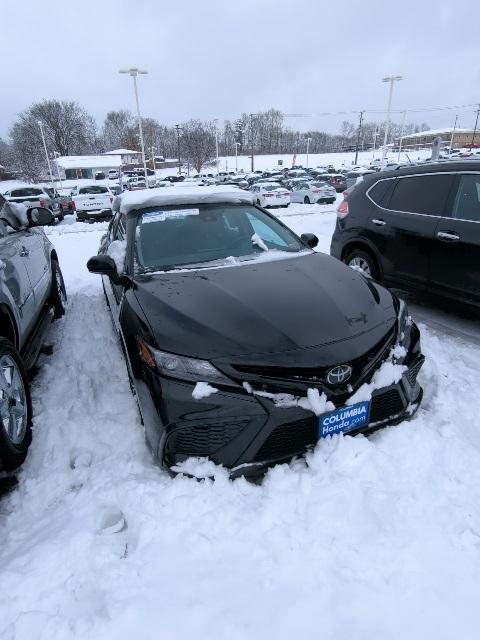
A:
(198, 142)
(116, 129)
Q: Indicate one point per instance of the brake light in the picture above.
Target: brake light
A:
(342, 209)
(42, 203)
(74, 206)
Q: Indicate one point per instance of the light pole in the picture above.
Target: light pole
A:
(215, 120)
(134, 73)
(391, 80)
(237, 144)
(56, 156)
(400, 144)
(178, 129)
(308, 148)
(40, 124)
(153, 158)
(453, 133)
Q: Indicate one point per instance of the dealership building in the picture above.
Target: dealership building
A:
(423, 139)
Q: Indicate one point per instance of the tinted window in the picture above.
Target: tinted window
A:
(467, 199)
(26, 193)
(93, 189)
(174, 237)
(379, 192)
(421, 194)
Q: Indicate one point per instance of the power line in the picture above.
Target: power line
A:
(358, 111)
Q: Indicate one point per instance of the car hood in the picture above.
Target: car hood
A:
(307, 310)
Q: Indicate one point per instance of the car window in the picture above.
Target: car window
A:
(467, 199)
(189, 236)
(426, 194)
(380, 192)
(92, 189)
(120, 229)
(26, 193)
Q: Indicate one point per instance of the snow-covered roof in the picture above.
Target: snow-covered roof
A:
(121, 152)
(89, 162)
(165, 196)
(437, 132)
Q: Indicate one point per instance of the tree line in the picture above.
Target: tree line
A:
(70, 130)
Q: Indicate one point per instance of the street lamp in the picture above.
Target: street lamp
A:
(134, 73)
(308, 147)
(237, 144)
(391, 80)
(153, 158)
(215, 120)
(179, 129)
(40, 124)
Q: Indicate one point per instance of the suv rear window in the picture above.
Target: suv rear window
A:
(422, 194)
(93, 189)
(26, 193)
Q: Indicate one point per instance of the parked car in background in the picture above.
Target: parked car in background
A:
(32, 294)
(337, 180)
(225, 348)
(313, 192)
(113, 174)
(135, 182)
(416, 228)
(100, 175)
(271, 195)
(66, 201)
(93, 202)
(35, 196)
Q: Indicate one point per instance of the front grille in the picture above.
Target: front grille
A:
(412, 372)
(289, 439)
(204, 439)
(385, 405)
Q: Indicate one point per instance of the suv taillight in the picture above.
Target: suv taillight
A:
(342, 209)
(42, 203)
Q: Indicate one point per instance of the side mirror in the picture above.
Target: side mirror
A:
(105, 266)
(39, 217)
(310, 239)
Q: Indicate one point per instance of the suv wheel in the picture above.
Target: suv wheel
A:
(58, 294)
(363, 261)
(15, 408)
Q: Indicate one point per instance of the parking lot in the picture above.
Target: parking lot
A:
(342, 527)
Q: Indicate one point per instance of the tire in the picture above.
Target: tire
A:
(306, 200)
(58, 294)
(364, 261)
(16, 408)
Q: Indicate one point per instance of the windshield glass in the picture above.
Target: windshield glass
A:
(26, 193)
(93, 189)
(272, 187)
(174, 237)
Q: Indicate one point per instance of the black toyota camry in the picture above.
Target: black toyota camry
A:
(243, 344)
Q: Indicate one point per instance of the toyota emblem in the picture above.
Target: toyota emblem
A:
(340, 374)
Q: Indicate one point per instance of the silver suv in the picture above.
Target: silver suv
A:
(32, 294)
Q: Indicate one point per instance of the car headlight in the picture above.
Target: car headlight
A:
(181, 367)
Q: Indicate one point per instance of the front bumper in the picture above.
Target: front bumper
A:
(98, 214)
(248, 433)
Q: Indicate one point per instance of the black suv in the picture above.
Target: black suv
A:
(417, 228)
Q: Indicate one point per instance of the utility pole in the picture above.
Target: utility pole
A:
(475, 128)
(178, 129)
(453, 133)
(391, 80)
(308, 148)
(40, 124)
(215, 120)
(375, 136)
(401, 137)
(153, 159)
(360, 122)
(237, 144)
(251, 141)
(134, 73)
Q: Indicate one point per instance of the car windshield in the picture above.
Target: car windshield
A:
(272, 187)
(26, 193)
(93, 189)
(192, 237)
(319, 184)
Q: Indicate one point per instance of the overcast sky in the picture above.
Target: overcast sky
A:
(212, 58)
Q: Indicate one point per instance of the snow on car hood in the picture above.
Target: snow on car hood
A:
(307, 310)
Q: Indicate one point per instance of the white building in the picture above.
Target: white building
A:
(127, 155)
(77, 167)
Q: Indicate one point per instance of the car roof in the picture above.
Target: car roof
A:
(181, 195)
(429, 167)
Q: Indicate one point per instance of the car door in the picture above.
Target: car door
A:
(455, 263)
(14, 277)
(402, 224)
(37, 263)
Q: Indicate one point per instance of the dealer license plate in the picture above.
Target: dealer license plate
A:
(344, 420)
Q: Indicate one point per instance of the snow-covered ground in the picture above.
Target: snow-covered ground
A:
(374, 538)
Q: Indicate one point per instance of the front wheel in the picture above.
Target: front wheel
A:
(362, 261)
(15, 408)
(58, 293)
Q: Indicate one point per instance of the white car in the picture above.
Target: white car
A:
(113, 174)
(313, 192)
(92, 202)
(271, 195)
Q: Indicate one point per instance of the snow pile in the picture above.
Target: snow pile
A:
(388, 373)
(256, 239)
(203, 390)
(314, 402)
(15, 213)
(117, 250)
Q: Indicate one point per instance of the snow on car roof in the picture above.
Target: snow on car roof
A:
(164, 196)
